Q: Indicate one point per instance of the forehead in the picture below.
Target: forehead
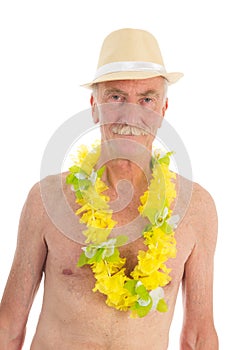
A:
(139, 85)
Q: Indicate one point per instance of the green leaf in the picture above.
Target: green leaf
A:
(121, 240)
(97, 257)
(84, 183)
(162, 306)
(115, 256)
(166, 228)
(166, 158)
(83, 260)
(71, 179)
(142, 292)
(130, 286)
(100, 171)
(78, 194)
(149, 212)
(152, 162)
(142, 311)
(75, 169)
(97, 202)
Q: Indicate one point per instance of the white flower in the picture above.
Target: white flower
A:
(173, 221)
(89, 251)
(93, 177)
(156, 295)
(108, 246)
(80, 176)
(143, 302)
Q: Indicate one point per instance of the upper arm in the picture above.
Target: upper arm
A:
(198, 275)
(27, 267)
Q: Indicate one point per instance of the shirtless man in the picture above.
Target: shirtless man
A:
(72, 316)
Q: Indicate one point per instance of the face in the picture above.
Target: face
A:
(130, 109)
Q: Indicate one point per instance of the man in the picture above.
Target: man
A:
(129, 100)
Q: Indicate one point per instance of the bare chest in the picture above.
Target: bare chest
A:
(71, 306)
(63, 253)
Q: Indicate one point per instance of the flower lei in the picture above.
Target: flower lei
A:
(142, 291)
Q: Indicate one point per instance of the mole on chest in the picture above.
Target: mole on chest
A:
(67, 272)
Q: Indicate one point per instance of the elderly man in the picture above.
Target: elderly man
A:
(116, 288)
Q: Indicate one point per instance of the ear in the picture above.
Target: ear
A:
(94, 109)
(165, 107)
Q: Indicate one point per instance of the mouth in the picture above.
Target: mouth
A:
(128, 130)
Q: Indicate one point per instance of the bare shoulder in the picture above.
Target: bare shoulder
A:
(195, 198)
(43, 197)
(202, 215)
(202, 203)
(54, 191)
(33, 208)
(59, 204)
(48, 186)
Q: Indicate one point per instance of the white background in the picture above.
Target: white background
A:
(48, 48)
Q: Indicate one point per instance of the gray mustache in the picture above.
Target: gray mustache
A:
(124, 129)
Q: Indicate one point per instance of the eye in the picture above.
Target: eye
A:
(117, 98)
(147, 100)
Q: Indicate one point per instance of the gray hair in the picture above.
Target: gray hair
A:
(165, 89)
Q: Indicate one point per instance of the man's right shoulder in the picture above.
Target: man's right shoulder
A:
(52, 183)
(46, 193)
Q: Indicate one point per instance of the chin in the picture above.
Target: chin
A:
(128, 147)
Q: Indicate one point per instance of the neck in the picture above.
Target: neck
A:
(126, 183)
(123, 169)
(125, 161)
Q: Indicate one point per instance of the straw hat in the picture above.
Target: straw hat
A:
(131, 54)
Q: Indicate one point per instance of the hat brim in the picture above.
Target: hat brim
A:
(170, 77)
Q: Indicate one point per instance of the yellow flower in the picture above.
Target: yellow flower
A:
(155, 279)
(170, 191)
(101, 187)
(81, 155)
(103, 268)
(113, 286)
(86, 159)
(99, 225)
(96, 235)
(143, 200)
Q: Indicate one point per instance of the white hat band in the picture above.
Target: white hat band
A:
(129, 66)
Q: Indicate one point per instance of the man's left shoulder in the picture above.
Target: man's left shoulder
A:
(203, 215)
(193, 193)
(202, 198)
(199, 203)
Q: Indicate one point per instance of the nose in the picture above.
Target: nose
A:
(136, 115)
(130, 113)
(127, 113)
